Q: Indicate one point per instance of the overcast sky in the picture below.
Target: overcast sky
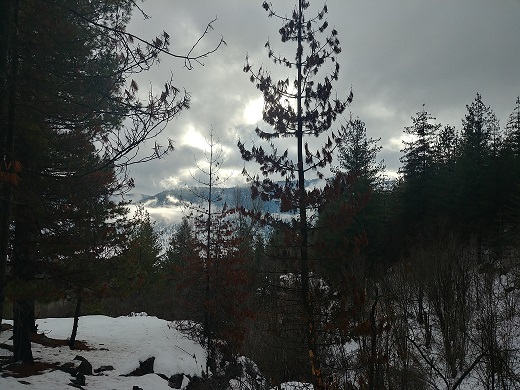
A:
(396, 55)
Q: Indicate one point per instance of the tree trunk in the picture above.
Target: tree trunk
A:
(304, 257)
(24, 265)
(373, 344)
(77, 313)
(21, 331)
(8, 71)
(208, 316)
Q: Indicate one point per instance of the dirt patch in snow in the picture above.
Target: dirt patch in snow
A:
(42, 339)
(24, 370)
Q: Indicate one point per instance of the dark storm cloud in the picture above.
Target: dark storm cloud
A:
(396, 56)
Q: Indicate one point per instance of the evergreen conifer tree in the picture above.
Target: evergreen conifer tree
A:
(418, 169)
(358, 154)
(299, 108)
(475, 169)
(511, 161)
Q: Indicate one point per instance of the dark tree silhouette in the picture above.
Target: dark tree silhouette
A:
(358, 154)
(417, 170)
(66, 72)
(418, 151)
(299, 108)
(476, 170)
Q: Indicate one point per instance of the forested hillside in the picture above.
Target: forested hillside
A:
(364, 282)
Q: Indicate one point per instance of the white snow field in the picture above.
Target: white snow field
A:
(122, 343)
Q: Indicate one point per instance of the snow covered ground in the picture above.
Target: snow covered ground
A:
(118, 342)
(122, 343)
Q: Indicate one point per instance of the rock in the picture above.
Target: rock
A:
(136, 388)
(162, 376)
(103, 369)
(195, 382)
(84, 367)
(80, 379)
(78, 372)
(69, 368)
(145, 367)
(175, 381)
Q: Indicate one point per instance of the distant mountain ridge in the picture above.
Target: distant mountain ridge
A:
(231, 196)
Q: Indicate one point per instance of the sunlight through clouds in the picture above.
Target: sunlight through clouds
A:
(397, 143)
(194, 138)
(253, 111)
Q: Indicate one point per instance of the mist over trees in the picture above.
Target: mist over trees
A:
(367, 282)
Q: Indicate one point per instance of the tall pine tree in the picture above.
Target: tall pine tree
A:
(358, 154)
(299, 107)
(475, 170)
(417, 169)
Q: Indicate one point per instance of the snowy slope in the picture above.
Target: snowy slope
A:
(122, 343)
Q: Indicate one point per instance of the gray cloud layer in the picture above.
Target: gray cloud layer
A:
(396, 56)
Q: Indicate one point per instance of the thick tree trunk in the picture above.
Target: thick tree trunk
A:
(22, 313)
(24, 264)
(77, 313)
(8, 70)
